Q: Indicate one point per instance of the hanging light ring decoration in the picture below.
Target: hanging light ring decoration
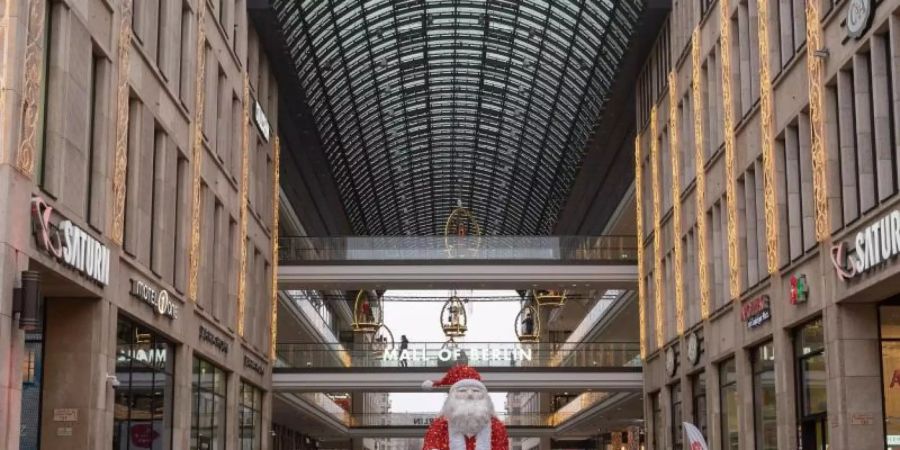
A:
(528, 325)
(453, 317)
(551, 298)
(367, 317)
(461, 232)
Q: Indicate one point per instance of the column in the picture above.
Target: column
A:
(852, 358)
(76, 363)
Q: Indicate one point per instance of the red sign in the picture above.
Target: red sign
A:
(143, 435)
(754, 307)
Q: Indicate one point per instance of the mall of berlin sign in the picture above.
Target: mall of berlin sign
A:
(454, 354)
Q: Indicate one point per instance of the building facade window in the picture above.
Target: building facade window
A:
(889, 316)
(729, 404)
(250, 417)
(209, 385)
(698, 402)
(144, 399)
(809, 350)
(765, 418)
(675, 396)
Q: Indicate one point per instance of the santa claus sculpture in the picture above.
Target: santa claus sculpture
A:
(467, 420)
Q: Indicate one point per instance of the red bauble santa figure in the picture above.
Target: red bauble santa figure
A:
(467, 420)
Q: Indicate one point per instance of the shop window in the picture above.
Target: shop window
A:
(729, 405)
(698, 391)
(765, 418)
(250, 417)
(144, 399)
(809, 349)
(209, 397)
(890, 366)
(675, 402)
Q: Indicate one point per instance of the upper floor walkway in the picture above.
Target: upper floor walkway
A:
(501, 262)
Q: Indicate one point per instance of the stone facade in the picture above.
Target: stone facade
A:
(132, 120)
(794, 191)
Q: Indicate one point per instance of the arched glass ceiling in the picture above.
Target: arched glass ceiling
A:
(421, 103)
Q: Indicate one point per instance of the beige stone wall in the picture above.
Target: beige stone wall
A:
(849, 309)
(120, 114)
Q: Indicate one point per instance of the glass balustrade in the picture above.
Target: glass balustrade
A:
(440, 249)
(300, 356)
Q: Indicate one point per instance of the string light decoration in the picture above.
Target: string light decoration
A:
(120, 158)
(700, 174)
(676, 199)
(767, 137)
(728, 125)
(244, 207)
(815, 67)
(657, 241)
(276, 189)
(197, 153)
(33, 79)
(639, 212)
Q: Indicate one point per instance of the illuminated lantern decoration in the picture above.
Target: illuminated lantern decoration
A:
(461, 232)
(551, 298)
(368, 316)
(528, 325)
(453, 317)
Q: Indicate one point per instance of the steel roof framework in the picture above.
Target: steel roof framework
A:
(423, 103)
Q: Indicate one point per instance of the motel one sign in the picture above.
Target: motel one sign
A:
(453, 354)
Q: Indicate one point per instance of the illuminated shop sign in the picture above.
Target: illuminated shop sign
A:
(158, 299)
(799, 289)
(453, 354)
(756, 312)
(69, 244)
(873, 246)
(211, 339)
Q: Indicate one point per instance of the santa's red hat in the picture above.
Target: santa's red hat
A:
(458, 376)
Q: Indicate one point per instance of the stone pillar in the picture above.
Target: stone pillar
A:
(12, 341)
(785, 397)
(852, 353)
(357, 444)
(545, 444)
(75, 368)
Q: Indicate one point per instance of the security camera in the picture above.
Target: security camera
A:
(113, 381)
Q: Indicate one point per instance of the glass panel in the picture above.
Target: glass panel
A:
(764, 409)
(675, 393)
(890, 366)
(699, 391)
(729, 404)
(811, 338)
(814, 380)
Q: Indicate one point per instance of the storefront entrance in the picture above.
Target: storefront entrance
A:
(889, 315)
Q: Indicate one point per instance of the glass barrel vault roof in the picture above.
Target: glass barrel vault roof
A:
(421, 104)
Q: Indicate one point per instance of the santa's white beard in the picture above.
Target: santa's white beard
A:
(468, 416)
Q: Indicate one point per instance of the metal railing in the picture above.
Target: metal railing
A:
(440, 249)
(423, 419)
(478, 354)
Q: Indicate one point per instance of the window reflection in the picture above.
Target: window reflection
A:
(208, 417)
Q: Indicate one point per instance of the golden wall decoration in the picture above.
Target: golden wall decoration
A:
(657, 239)
(728, 125)
(675, 152)
(639, 212)
(122, 111)
(767, 138)
(34, 81)
(815, 67)
(276, 183)
(197, 152)
(244, 204)
(700, 181)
